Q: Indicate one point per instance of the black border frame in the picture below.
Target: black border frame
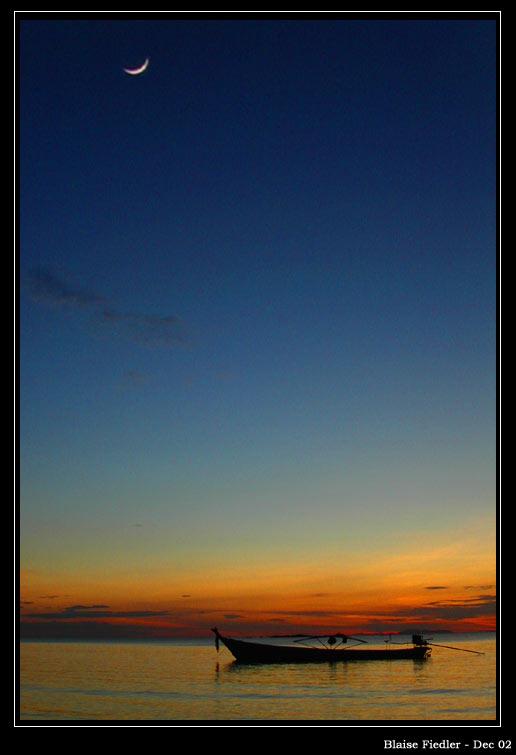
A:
(489, 732)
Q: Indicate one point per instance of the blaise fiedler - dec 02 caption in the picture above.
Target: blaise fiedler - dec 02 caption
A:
(446, 744)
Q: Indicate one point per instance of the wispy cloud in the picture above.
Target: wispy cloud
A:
(147, 329)
(48, 288)
(134, 379)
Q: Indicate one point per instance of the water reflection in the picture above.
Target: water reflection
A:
(174, 681)
(331, 666)
(420, 666)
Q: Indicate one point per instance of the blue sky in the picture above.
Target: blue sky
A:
(258, 282)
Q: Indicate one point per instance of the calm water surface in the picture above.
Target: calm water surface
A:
(187, 680)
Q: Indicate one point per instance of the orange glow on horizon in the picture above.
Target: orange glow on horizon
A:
(450, 586)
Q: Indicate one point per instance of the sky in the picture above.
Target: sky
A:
(257, 325)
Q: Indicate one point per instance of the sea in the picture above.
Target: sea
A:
(188, 681)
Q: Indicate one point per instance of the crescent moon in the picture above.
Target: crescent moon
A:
(137, 71)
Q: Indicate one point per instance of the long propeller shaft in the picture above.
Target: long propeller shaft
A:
(462, 650)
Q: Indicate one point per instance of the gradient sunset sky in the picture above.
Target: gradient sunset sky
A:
(258, 325)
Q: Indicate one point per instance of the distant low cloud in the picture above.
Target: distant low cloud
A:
(147, 329)
(478, 600)
(436, 587)
(455, 608)
(451, 610)
(308, 613)
(85, 608)
(85, 612)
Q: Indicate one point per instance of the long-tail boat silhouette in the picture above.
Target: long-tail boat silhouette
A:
(333, 647)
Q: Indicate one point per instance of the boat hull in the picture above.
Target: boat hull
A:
(254, 652)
